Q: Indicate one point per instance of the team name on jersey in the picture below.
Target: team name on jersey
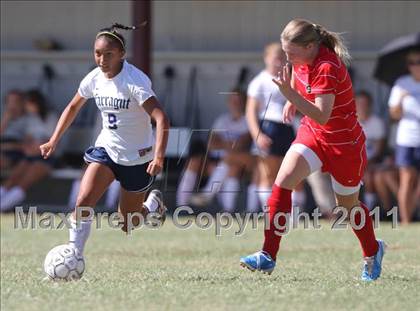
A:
(112, 102)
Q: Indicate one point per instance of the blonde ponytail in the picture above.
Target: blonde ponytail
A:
(335, 42)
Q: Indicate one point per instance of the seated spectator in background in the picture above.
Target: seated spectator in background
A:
(404, 107)
(32, 167)
(374, 129)
(386, 181)
(229, 134)
(12, 129)
(237, 163)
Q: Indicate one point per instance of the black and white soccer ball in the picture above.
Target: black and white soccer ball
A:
(64, 263)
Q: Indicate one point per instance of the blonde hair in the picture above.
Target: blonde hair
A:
(303, 32)
(272, 47)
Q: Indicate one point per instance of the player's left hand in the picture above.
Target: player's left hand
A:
(283, 80)
(155, 167)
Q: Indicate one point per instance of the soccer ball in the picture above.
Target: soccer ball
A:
(65, 263)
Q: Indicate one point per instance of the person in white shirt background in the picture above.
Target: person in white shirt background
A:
(374, 129)
(125, 149)
(404, 107)
(264, 113)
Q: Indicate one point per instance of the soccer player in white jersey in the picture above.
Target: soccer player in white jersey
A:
(125, 148)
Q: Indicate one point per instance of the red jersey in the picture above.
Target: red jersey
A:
(328, 75)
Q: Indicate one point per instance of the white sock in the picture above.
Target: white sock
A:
(151, 204)
(264, 194)
(79, 236)
(112, 195)
(185, 187)
(74, 193)
(229, 193)
(370, 199)
(14, 196)
(214, 184)
(252, 200)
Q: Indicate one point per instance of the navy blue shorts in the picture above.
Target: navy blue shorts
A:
(132, 178)
(407, 156)
(281, 134)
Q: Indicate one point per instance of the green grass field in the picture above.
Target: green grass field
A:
(173, 269)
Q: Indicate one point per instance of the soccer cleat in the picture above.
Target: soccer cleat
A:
(260, 261)
(160, 213)
(373, 265)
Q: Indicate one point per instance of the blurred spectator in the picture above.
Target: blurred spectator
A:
(374, 129)
(240, 163)
(229, 134)
(272, 138)
(39, 124)
(404, 106)
(386, 181)
(12, 129)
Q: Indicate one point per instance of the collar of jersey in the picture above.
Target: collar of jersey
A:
(118, 74)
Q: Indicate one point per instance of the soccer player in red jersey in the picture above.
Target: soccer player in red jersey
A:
(330, 138)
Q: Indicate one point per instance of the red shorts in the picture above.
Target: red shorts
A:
(346, 163)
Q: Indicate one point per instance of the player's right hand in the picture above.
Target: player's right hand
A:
(263, 142)
(289, 112)
(47, 149)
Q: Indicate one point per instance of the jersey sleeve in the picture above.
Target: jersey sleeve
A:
(325, 80)
(254, 90)
(395, 95)
(86, 87)
(142, 93)
(141, 87)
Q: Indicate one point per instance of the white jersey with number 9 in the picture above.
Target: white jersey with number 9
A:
(126, 131)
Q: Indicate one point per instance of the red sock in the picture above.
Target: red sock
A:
(366, 234)
(279, 201)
